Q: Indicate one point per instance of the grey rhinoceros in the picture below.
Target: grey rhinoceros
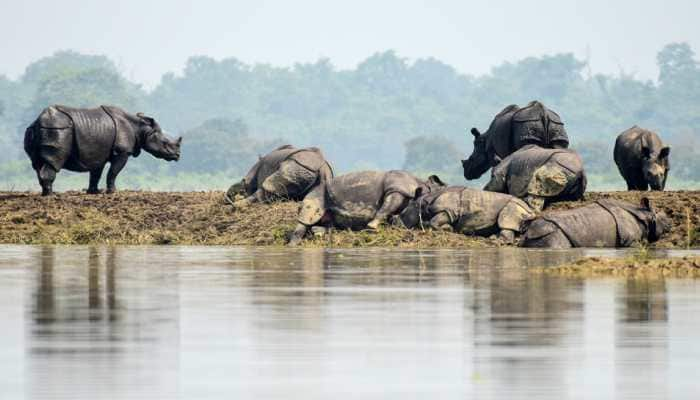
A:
(642, 159)
(468, 211)
(605, 223)
(511, 129)
(359, 200)
(284, 173)
(84, 140)
(540, 176)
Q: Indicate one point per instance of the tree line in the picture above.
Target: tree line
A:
(386, 113)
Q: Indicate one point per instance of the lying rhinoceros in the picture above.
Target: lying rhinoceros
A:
(642, 159)
(469, 211)
(605, 223)
(511, 129)
(359, 200)
(540, 176)
(284, 173)
(84, 140)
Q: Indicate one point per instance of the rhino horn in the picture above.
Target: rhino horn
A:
(476, 132)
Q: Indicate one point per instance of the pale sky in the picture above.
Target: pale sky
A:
(149, 37)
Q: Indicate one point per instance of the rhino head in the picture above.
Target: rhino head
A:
(482, 158)
(415, 213)
(658, 222)
(154, 141)
(655, 165)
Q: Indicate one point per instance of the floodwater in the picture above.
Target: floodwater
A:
(238, 323)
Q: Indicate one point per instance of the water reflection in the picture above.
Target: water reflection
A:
(189, 322)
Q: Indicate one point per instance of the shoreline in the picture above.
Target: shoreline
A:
(203, 218)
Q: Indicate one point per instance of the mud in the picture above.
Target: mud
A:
(129, 217)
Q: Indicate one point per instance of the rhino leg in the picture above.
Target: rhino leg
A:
(548, 182)
(441, 221)
(95, 176)
(46, 175)
(257, 197)
(115, 166)
(508, 236)
(554, 240)
(298, 234)
(637, 185)
(312, 212)
(391, 205)
(536, 202)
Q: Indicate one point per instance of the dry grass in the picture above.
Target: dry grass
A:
(130, 217)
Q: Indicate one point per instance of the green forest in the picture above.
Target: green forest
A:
(387, 113)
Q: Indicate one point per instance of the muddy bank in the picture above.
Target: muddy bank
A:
(130, 217)
(633, 267)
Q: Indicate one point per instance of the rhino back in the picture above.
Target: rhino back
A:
(271, 161)
(94, 132)
(535, 123)
(589, 226)
(356, 196)
(310, 158)
(520, 169)
(631, 221)
(500, 131)
(471, 210)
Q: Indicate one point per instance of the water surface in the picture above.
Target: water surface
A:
(208, 322)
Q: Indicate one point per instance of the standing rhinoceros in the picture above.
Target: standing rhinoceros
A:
(359, 200)
(510, 130)
(605, 223)
(84, 140)
(284, 173)
(642, 159)
(540, 176)
(469, 211)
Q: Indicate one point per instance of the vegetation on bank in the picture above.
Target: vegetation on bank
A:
(130, 217)
(387, 113)
(630, 267)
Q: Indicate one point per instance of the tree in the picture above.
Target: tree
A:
(432, 154)
(676, 63)
(221, 145)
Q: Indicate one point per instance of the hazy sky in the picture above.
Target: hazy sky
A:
(149, 37)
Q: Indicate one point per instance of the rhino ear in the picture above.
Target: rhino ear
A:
(645, 203)
(435, 180)
(476, 132)
(418, 193)
(646, 152)
(146, 119)
(665, 151)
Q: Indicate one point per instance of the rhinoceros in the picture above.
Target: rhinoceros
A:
(642, 159)
(84, 140)
(358, 200)
(510, 130)
(468, 211)
(540, 176)
(284, 173)
(605, 223)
